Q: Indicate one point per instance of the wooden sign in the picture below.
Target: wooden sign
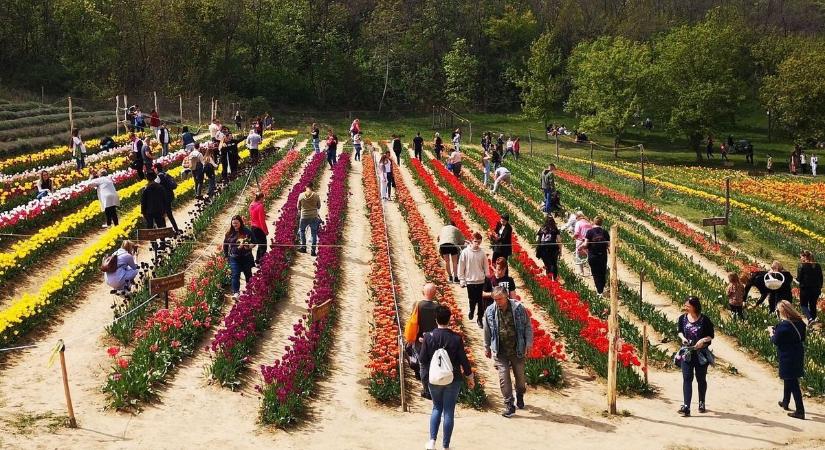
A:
(165, 284)
(321, 311)
(713, 221)
(151, 234)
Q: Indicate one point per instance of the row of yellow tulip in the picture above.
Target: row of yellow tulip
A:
(51, 153)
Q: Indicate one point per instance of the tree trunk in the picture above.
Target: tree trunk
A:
(695, 140)
(616, 147)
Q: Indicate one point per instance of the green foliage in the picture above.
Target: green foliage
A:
(460, 69)
(542, 85)
(609, 78)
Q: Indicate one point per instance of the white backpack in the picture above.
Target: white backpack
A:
(441, 368)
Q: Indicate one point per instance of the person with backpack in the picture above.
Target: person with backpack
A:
(188, 139)
(508, 337)
(238, 249)
(164, 138)
(169, 186)
(153, 202)
(257, 224)
(422, 320)
(106, 194)
(196, 166)
(789, 338)
(443, 360)
(696, 332)
(120, 268)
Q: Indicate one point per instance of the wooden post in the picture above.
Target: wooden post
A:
(644, 351)
(180, 102)
(62, 350)
(592, 167)
(71, 117)
(117, 114)
(530, 139)
(727, 198)
(42, 95)
(200, 120)
(212, 109)
(558, 157)
(641, 285)
(155, 93)
(216, 108)
(401, 375)
(613, 323)
(642, 161)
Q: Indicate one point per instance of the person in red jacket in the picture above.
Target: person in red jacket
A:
(154, 120)
(257, 222)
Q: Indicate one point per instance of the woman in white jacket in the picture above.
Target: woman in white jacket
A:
(107, 195)
(127, 268)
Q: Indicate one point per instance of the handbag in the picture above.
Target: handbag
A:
(411, 327)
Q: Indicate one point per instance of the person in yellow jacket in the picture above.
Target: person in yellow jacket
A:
(422, 320)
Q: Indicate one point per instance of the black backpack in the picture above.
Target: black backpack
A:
(167, 182)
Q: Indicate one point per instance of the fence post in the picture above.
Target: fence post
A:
(644, 351)
(642, 161)
(71, 118)
(558, 157)
(401, 375)
(62, 350)
(155, 94)
(613, 323)
(117, 114)
(530, 140)
(592, 167)
(200, 120)
(180, 102)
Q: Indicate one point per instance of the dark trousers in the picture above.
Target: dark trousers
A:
(390, 183)
(234, 159)
(807, 301)
(688, 370)
(474, 293)
(332, 157)
(171, 216)
(749, 158)
(792, 388)
(259, 237)
(357, 148)
(198, 177)
(111, 215)
(225, 167)
(253, 154)
(598, 267)
(737, 311)
(551, 262)
(398, 157)
(417, 152)
(154, 221)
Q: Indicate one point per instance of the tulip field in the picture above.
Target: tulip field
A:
(310, 354)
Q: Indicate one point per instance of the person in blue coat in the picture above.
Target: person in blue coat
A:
(789, 337)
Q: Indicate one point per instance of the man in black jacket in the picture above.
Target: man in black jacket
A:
(503, 238)
(169, 185)
(153, 202)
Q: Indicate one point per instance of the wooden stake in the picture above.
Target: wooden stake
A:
(156, 101)
(592, 167)
(613, 323)
(216, 108)
(117, 114)
(180, 101)
(212, 109)
(72, 420)
(558, 157)
(642, 161)
(200, 119)
(401, 375)
(644, 351)
(71, 117)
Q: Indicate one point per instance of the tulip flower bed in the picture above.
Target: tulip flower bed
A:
(677, 277)
(289, 381)
(184, 245)
(385, 384)
(52, 155)
(429, 261)
(64, 167)
(584, 333)
(542, 365)
(252, 310)
(166, 338)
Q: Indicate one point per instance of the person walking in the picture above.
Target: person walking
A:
(418, 145)
(169, 186)
(164, 138)
(355, 127)
(387, 177)
(749, 153)
(508, 147)
(438, 146)
(188, 139)
(45, 184)
(769, 164)
(444, 396)
(548, 187)
(457, 139)
(316, 137)
(789, 338)
(485, 163)
(502, 175)
(136, 156)
(736, 293)
(356, 145)
(309, 202)
(332, 148)
(78, 149)
(696, 334)
(257, 224)
(106, 195)
(502, 238)
(814, 164)
(197, 166)
(597, 241)
(548, 246)
(517, 148)
(237, 247)
(153, 202)
(238, 120)
(210, 165)
(253, 141)
(127, 269)
(450, 243)
(508, 336)
(709, 147)
(397, 148)
(809, 275)
(147, 155)
(422, 320)
(472, 272)
(455, 161)
(232, 154)
(500, 278)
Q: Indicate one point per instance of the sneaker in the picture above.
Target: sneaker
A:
(702, 407)
(684, 410)
(105, 225)
(480, 324)
(425, 394)
(430, 445)
(520, 401)
(312, 253)
(509, 411)
(797, 415)
(236, 295)
(784, 406)
(471, 315)
(302, 249)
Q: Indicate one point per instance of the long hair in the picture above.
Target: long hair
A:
(550, 224)
(232, 229)
(787, 311)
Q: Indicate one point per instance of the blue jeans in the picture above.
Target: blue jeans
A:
(316, 145)
(486, 171)
(444, 400)
(357, 148)
(688, 370)
(313, 224)
(548, 195)
(42, 194)
(238, 266)
(81, 163)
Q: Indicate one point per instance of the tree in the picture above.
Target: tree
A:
(609, 77)
(542, 85)
(796, 93)
(696, 89)
(460, 68)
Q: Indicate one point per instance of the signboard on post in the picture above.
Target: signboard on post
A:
(321, 311)
(163, 285)
(714, 221)
(151, 234)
